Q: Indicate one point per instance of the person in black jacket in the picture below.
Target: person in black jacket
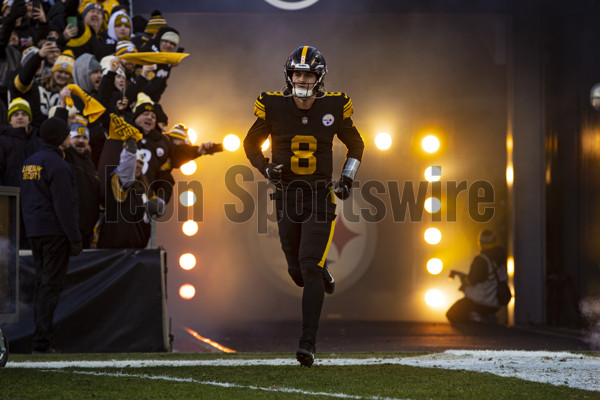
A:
(130, 202)
(18, 140)
(79, 156)
(51, 215)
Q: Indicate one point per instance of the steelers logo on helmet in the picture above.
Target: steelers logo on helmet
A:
(305, 59)
(328, 119)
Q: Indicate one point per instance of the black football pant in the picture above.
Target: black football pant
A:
(51, 259)
(306, 224)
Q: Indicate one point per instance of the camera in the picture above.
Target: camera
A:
(51, 38)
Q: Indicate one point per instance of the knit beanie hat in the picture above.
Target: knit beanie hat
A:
(179, 131)
(19, 104)
(28, 53)
(54, 131)
(139, 24)
(125, 47)
(91, 6)
(171, 36)
(155, 22)
(80, 128)
(144, 103)
(5, 4)
(64, 62)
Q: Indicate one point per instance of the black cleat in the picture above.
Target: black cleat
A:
(305, 354)
(328, 280)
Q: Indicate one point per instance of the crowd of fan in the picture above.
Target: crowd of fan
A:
(86, 56)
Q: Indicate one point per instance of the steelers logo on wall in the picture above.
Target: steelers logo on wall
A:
(349, 257)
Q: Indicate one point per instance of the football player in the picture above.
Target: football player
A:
(302, 121)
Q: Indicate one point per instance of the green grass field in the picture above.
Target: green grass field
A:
(242, 376)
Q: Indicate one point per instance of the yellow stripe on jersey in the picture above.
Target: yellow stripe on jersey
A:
(348, 109)
(119, 193)
(332, 229)
(259, 110)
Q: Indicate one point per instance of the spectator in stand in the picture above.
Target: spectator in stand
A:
(43, 93)
(154, 24)
(113, 84)
(18, 140)
(50, 212)
(87, 74)
(26, 20)
(130, 203)
(79, 156)
(119, 28)
(10, 60)
(108, 6)
(84, 37)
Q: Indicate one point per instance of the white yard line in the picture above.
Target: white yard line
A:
(556, 368)
(234, 385)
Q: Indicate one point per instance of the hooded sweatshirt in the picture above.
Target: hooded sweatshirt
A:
(84, 65)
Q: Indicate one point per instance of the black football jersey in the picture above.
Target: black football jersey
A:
(302, 140)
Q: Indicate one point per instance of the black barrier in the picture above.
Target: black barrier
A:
(9, 258)
(114, 301)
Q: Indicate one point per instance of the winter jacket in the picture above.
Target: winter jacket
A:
(88, 191)
(15, 146)
(49, 195)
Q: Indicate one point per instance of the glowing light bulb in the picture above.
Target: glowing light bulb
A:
(187, 291)
(435, 266)
(433, 173)
(432, 205)
(434, 298)
(430, 144)
(231, 142)
(510, 175)
(188, 168)
(187, 198)
(190, 228)
(433, 236)
(187, 261)
(383, 141)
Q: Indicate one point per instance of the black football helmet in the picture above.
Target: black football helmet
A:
(305, 58)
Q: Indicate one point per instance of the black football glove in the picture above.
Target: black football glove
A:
(76, 249)
(274, 171)
(342, 187)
